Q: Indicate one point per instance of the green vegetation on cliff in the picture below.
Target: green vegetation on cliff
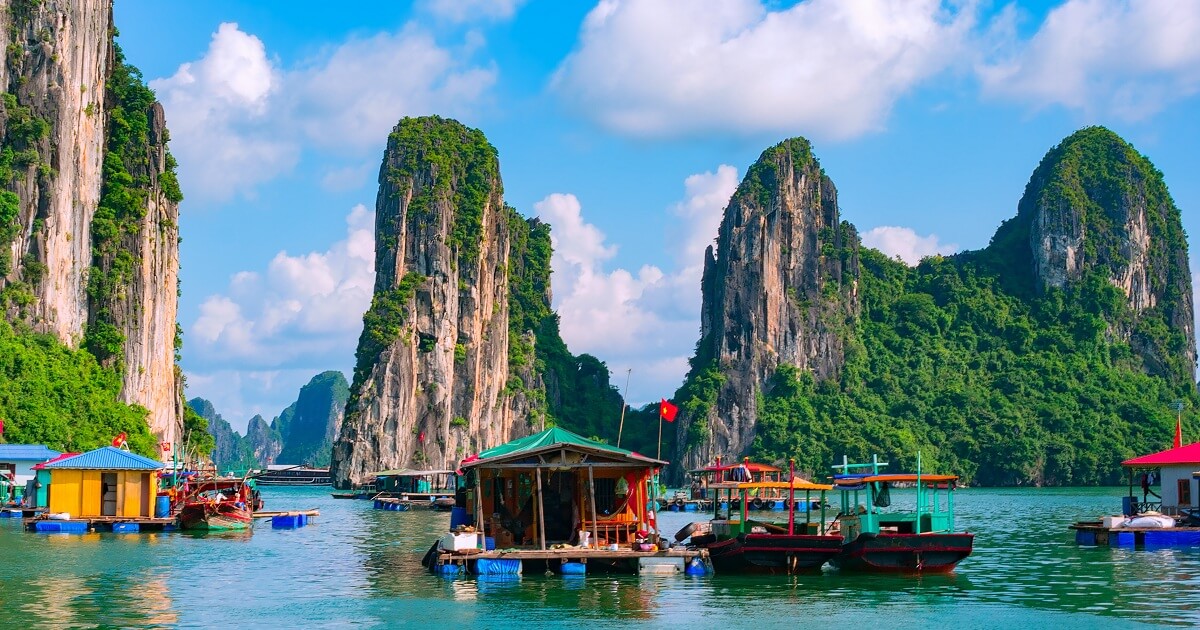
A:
(990, 375)
(50, 394)
(383, 323)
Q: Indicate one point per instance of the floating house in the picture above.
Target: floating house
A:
(408, 481)
(1172, 470)
(16, 465)
(557, 501)
(105, 482)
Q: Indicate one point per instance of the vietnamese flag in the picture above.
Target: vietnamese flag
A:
(667, 411)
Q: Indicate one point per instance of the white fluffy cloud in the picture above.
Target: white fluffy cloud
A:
(905, 244)
(646, 320)
(1104, 57)
(823, 67)
(238, 118)
(218, 111)
(302, 309)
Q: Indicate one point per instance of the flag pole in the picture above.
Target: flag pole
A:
(624, 404)
(660, 423)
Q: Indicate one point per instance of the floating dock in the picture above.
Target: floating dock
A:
(1095, 534)
(83, 525)
(572, 560)
(269, 514)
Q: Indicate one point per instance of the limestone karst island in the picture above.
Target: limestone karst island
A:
(728, 314)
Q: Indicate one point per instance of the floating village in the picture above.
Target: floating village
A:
(557, 503)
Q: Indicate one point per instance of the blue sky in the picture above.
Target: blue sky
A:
(626, 124)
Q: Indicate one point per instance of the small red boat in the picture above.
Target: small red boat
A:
(921, 540)
(219, 504)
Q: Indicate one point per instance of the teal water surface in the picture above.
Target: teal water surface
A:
(359, 567)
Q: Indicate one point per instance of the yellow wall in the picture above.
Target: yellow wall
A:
(78, 492)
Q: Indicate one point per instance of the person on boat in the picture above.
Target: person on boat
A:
(1147, 490)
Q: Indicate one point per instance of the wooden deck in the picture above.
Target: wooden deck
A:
(312, 512)
(99, 523)
(536, 561)
(1094, 533)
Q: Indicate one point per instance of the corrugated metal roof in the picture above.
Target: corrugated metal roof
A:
(26, 453)
(107, 458)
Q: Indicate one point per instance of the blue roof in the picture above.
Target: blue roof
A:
(26, 453)
(106, 458)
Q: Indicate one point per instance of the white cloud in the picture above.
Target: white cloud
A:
(1104, 57)
(238, 118)
(472, 10)
(218, 112)
(304, 309)
(821, 67)
(239, 395)
(646, 319)
(905, 244)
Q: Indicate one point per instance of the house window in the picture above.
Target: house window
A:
(1185, 491)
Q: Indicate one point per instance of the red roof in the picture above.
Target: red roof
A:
(56, 459)
(1188, 454)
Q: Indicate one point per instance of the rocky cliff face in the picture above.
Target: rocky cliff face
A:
(779, 289)
(262, 441)
(1095, 205)
(433, 358)
(309, 426)
(88, 217)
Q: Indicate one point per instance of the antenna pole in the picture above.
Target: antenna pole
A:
(621, 426)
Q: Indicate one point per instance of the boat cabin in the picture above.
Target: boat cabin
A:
(1163, 481)
(556, 487)
(745, 471)
(731, 501)
(419, 482)
(105, 482)
(866, 501)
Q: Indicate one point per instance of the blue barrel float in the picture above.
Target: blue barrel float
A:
(162, 506)
(289, 521)
(126, 528)
(487, 566)
(63, 527)
(574, 568)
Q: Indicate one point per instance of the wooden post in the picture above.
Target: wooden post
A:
(792, 498)
(541, 508)
(592, 492)
(621, 426)
(479, 504)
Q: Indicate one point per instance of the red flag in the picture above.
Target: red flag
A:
(1178, 433)
(1, 426)
(421, 437)
(119, 441)
(667, 411)
(166, 447)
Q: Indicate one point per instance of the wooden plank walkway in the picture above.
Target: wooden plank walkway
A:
(312, 512)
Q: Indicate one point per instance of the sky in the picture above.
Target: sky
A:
(626, 124)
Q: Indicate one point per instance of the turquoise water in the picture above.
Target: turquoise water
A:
(359, 567)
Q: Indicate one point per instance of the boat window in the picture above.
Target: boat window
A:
(1185, 492)
(606, 495)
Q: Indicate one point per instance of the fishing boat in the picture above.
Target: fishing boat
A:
(219, 504)
(881, 538)
(737, 543)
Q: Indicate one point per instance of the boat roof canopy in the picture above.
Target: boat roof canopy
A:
(410, 472)
(854, 480)
(555, 440)
(751, 466)
(796, 484)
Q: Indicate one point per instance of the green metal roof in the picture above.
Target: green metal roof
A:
(550, 439)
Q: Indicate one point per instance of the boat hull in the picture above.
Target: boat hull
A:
(772, 553)
(904, 553)
(215, 518)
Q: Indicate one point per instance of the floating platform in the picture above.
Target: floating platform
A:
(1095, 534)
(17, 511)
(269, 514)
(115, 524)
(572, 561)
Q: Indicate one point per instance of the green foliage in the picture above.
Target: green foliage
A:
(1000, 389)
(195, 432)
(382, 325)
(463, 168)
(460, 353)
(63, 398)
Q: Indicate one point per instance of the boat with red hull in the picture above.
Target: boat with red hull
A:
(739, 544)
(219, 504)
(919, 540)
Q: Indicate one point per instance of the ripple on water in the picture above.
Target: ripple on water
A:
(361, 567)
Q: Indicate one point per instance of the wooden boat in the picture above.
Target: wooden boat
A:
(286, 475)
(921, 540)
(218, 504)
(739, 544)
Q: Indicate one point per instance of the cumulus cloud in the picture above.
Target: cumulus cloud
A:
(822, 67)
(1103, 57)
(239, 118)
(647, 319)
(472, 10)
(302, 309)
(906, 244)
(218, 110)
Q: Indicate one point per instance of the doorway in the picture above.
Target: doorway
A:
(108, 494)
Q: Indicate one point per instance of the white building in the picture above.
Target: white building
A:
(17, 460)
(1179, 487)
